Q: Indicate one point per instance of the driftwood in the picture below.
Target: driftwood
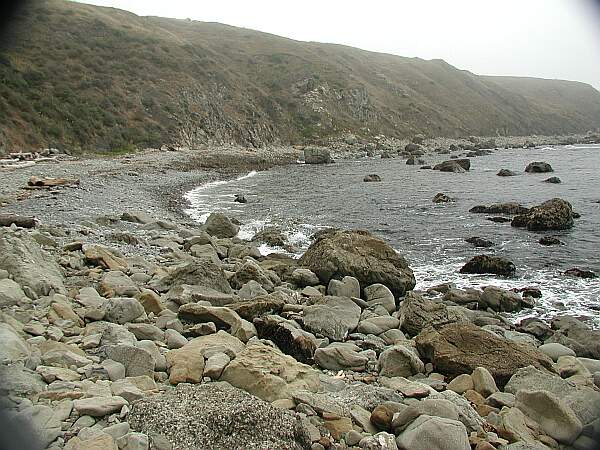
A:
(6, 220)
(51, 182)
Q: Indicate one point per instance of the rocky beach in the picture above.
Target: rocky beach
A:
(127, 325)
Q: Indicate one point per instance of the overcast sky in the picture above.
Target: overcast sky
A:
(539, 38)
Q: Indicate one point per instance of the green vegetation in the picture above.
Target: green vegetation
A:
(86, 77)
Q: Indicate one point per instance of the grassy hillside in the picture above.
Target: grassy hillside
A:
(99, 78)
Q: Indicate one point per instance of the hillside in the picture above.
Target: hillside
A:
(99, 78)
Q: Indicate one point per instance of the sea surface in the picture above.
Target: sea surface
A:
(301, 199)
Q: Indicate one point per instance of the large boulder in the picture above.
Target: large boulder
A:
(202, 272)
(555, 417)
(332, 317)
(219, 225)
(555, 214)
(361, 255)
(29, 265)
(266, 372)
(13, 347)
(460, 348)
(453, 165)
(429, 433)
(500, 208)
(217, 415)
(418, 313)
(482, 264)
(317, 155)
(538, 167)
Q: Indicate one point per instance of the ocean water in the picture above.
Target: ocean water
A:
(301, 199)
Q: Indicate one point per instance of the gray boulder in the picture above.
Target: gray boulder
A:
(317, 155)
(219, 225)
(30, 266)
(336, 254)
(428, 432)
(399, 361)
(538, 167)
(332, 317)
(123, 309)
(202, 272)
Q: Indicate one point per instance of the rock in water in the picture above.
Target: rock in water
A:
(453, 165)
(314, 155)
(479, 242)
(549, 240)
(30, 266)
(506, 173)
(371, 177)
(580, 273)
(555, 214)
(240, 198)
(440, 197)
(553, 180)
(538, 167)
(460, 348)
(217, 415)
(489, 264)
(220, 226)
(370, 260)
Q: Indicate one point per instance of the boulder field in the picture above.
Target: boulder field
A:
(179, 336)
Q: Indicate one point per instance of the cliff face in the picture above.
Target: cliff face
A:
(101, 78)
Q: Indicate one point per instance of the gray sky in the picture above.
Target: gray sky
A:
(538, 38)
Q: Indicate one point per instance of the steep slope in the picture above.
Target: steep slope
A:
(101, 78)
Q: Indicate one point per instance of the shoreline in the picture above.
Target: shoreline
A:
(117, 309)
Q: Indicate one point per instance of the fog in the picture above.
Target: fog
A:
(538, 38)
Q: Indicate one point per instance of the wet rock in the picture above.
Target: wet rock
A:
(271, 236)
(506, 173)
(268, 373)
(479, 242)
(371, 178)
(483, 264)
(555, 214)
(500, 299)
(455, 165)
(538, 167)
(510, 208)
(240, 198)
(370, 260)
(555, 350)
(580, 273)
(553, 180)
(217, 415)
(461, 348)
(304, 277)
(440, 197)
(549, 240)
